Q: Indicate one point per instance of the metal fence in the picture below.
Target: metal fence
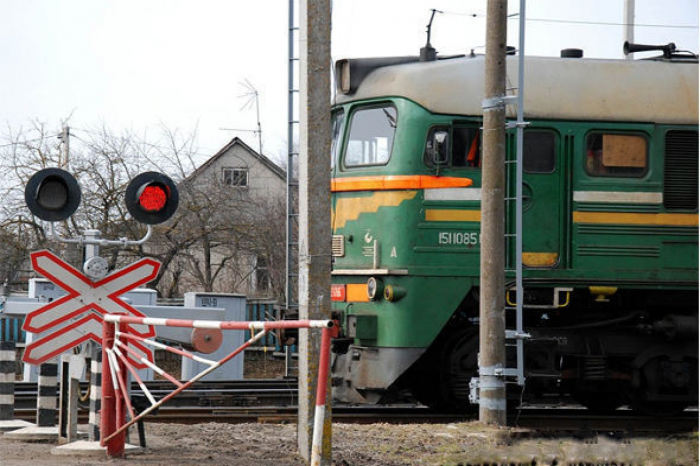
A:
(11, 329)
(262, 310)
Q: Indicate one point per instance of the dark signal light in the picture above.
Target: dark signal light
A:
(52, 194)
(152, 198)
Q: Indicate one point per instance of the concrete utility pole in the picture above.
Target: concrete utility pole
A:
(64, 162)
(492, 388)
(628, 16)
(314, 207)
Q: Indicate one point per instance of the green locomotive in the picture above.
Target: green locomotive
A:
(610, 229)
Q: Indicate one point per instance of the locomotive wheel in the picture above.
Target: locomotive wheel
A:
(429, 392)
(460, 366)
(443, 383)
(656, 381)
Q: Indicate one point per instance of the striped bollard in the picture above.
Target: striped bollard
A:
(48, 391)
(95, 394)
(321, 437)
(7, 380)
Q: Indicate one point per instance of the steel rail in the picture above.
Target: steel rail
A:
(550, 420)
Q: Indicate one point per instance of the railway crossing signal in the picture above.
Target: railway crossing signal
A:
(87, 302)
(52, 194)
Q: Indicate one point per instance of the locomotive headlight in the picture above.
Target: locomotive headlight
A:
(393, 293)
(374, 289)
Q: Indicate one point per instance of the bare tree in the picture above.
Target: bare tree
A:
(204, 246)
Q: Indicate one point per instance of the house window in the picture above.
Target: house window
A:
(237, 177)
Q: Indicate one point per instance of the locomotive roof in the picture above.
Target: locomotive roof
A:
(555, 88)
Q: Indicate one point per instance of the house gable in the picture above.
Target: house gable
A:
(238, 166)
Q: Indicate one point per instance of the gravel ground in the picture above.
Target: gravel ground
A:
(462, 444)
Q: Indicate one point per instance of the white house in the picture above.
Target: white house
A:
(237, 200)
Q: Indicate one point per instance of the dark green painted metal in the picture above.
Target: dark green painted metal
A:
(440, 276)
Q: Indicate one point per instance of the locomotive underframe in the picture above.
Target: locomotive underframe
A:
(603, 352)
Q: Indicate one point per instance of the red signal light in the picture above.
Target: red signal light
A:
(153, 198)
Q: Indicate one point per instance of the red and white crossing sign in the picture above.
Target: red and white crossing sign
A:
(77, 317)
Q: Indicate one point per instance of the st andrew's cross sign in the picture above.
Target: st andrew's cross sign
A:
(77, 317)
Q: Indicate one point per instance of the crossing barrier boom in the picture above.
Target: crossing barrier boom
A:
(118, 362)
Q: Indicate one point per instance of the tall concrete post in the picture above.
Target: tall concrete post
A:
(314, 206)
(492, 392)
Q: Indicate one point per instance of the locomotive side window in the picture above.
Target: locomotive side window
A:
(336, 132)
(539, 151)
(463, 145)
(371, 136)
(466, 147)
(619, 155)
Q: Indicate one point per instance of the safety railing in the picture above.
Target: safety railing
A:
(117, 359)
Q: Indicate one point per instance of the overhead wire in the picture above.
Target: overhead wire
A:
(28, 140)
(201, 151)
(574, 21)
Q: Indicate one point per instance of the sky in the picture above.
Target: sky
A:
(192, 65)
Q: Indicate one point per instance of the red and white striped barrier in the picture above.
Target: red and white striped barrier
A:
(117, 366)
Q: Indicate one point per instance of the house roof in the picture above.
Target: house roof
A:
(272, 166)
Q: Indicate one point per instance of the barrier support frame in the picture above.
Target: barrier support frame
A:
(115, 402)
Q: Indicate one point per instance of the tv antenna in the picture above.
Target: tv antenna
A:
(253, 99)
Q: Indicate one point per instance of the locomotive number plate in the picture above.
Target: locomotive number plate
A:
(458, 238)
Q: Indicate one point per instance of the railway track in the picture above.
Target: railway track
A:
(275, 401)
(276, 392)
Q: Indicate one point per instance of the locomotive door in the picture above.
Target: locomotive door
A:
(542, 199)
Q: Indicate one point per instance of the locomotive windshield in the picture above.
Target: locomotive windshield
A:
(371, 136)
